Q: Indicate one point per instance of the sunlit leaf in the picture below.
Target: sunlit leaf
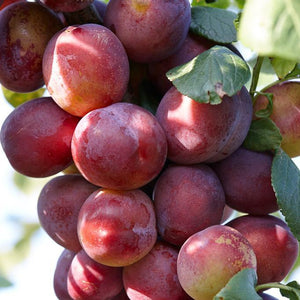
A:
(263, 135)
(272, 28)
(282, 67)
(211, 75)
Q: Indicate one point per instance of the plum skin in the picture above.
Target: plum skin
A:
(117, 228)
(36, 138)
(285, 113)
(202, 132)
(149, 30)
(85, 67)
(61, 274)
(246, 179)
(155, 275)
(187, 199)
(58, 207)
(209, 258)
(25, 30)
(87, 279)
(119, 147)
(275, 246)
(66, 5)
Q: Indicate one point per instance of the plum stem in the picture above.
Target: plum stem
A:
(275, 285)
(255, 75)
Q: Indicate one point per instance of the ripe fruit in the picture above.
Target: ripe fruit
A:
(58, 207)
(88, 279)
(36, 138)
(187, 199)
(209, 258)
(66, 5)
(150, 30)
(117, 228)
(120, 147)
(155, 275)
(61, 274)
(201, 132)
(85, 67)
(275, 246)
(25, 30)
(246, 179)
(285, 114)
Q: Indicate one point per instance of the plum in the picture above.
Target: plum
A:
(285, 113)
(117, 228)
(119, 147)
(66, 5)
(154, 276)
(150, 30)
(275, 246)
(192, 46)
(209, 258)
(246, 179)
(25, 30)
(187, 199)
(60, 277)
(85, 67)
(88, 279)
(36, 138)
(58, 207)
(202, 132)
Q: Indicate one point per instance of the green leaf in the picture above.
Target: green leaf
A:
(211, 75)
(286, 184)
(15, 99)
(282, 66)
(293, 293)
(240, 287)
(263, 135)
(216, 3)
(272, 28)
(295, 74)
(214, 23)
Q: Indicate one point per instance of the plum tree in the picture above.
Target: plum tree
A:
(155, 144)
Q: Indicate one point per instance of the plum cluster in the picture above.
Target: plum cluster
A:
(161, 203)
